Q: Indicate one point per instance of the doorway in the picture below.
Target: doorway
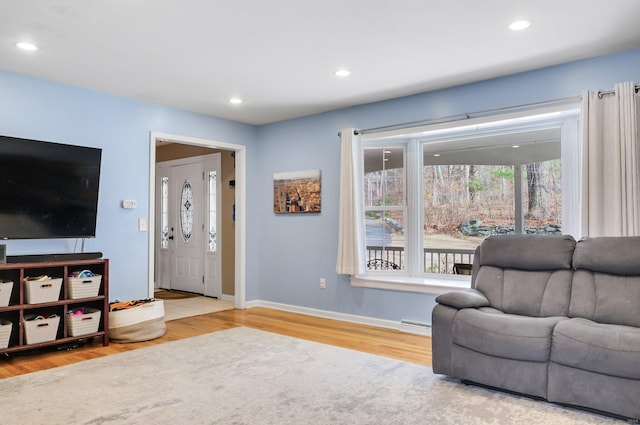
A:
(189, 221)
(238, 254)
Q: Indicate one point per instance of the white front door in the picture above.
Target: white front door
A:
(187, 200)
(188, 205)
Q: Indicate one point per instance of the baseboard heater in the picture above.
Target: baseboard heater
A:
(413, 327)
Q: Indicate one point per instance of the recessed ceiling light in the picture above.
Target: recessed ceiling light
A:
(519, 25)
(235, 100)
(342, 73)
(515, 146)
(27, 46)
(436, 154)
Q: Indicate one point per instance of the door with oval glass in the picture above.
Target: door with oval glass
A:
(187, 222)
(188, 202)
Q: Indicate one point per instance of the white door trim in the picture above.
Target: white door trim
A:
(240, 192)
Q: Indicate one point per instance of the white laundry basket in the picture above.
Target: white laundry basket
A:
(140, 323)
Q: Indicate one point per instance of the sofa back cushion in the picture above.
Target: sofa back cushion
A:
(606, 280)
(528, 275)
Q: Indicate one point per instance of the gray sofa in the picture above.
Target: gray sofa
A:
(550, 318)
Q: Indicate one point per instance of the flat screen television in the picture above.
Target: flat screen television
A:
(48, 190)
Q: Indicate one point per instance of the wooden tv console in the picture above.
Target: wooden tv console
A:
(17, 309)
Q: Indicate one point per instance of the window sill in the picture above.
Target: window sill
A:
(423, 285)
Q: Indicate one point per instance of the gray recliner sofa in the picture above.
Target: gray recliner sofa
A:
(550, 318)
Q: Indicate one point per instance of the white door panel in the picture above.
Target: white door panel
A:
(187, 207)
(213, 272)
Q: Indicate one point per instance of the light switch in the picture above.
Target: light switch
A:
(142, 225)
(129, 204)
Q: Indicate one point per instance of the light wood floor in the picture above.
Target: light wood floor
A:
(384, 342)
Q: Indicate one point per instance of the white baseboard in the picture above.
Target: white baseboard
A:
(351, 318)
(229, 298)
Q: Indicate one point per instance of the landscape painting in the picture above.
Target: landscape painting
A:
(297, 192)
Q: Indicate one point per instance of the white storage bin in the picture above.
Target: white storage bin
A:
(5, 333)
(42, 291)
(38, 329)
(140, 323)
(85, 323)
(83, 287)
(5, 292)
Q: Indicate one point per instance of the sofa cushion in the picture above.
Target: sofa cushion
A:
(527, 252)
(505, 335)
(526, 293)
(528, 275)
(606, 298)
(611, 255)
(606, 281)
(606, 349)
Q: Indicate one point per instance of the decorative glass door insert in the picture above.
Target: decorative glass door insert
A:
(186, 211)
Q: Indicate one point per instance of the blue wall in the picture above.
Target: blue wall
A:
(286, 255)
(299, 250)
(43, 110)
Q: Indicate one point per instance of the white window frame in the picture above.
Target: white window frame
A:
(413, 278)
(404, 208)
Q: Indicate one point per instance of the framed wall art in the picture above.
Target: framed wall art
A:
(297, 192)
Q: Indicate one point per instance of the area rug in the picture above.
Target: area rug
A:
(246, 376)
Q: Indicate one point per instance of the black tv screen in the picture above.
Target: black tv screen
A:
(48, 190)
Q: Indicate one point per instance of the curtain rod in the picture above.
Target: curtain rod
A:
(602, 93)
(468, 115)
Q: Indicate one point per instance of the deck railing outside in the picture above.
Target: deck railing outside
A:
(436, 260)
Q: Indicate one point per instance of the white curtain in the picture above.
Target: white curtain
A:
(351, 216)
(611, 165)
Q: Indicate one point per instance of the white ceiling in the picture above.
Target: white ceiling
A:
(279, 56)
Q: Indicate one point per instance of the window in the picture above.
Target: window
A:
(384, 207)
(464, 203)
(431, 195)
(164, 213)
(213, 234)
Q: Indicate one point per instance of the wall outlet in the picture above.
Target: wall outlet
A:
(323, 283)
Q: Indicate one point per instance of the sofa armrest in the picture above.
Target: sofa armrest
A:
(469, 298)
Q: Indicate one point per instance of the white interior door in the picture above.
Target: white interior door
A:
(188, 202)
